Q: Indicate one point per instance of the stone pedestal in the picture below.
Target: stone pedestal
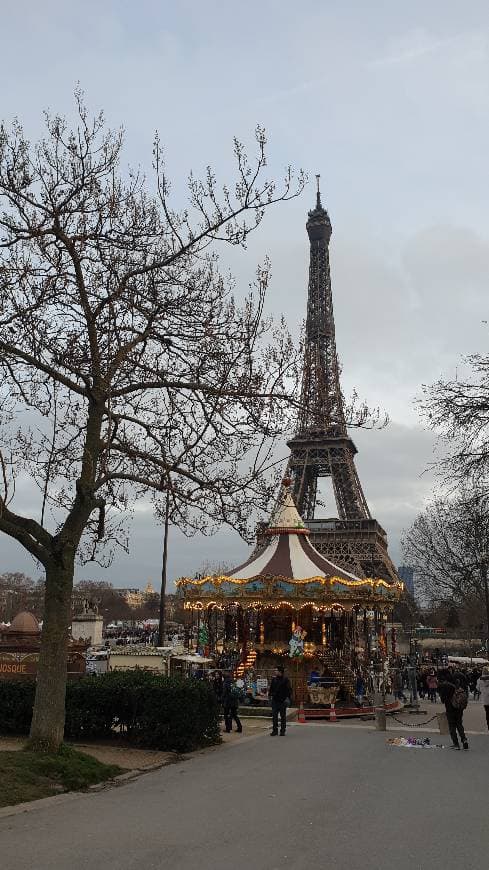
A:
(87, 626)
(443, 723)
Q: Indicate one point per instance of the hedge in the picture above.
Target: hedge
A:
(148, 710)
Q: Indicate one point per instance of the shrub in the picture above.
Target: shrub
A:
(16, 702)
(149, 710)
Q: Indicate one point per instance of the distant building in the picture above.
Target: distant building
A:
(406, 574)
(132, 596)
(136, 597)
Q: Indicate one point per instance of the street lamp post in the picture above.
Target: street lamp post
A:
(413, 685)
(161, 626)
(483, 568)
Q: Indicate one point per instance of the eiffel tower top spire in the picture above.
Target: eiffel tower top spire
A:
(319, 224)
(321, 399)
(318, 194)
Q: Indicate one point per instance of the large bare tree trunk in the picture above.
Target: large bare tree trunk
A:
(48, 719)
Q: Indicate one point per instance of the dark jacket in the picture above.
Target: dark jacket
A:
(229, 697)
(280, 689)
(446, 691)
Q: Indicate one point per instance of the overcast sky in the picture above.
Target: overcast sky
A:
(388, 101)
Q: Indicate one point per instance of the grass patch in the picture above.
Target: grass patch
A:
(27, 775)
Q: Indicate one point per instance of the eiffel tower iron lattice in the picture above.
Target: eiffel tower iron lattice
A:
(321, 446)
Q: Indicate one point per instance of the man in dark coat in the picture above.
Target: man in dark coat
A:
(279, 693)
(230, 703)
(450, 686)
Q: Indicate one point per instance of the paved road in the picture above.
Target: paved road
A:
(322, 797)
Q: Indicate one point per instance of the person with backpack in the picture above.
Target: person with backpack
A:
(231, 696)
(454, 696)
(280, 693)
(483, 689)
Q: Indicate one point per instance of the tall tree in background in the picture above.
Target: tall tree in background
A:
(448, 546)
(111, 604)
(19, 592)
(458, 410)
(127, 367)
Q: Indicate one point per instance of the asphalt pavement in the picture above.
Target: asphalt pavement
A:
(322, 796)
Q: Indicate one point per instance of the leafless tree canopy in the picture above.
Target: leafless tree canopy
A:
(447, 545)
(458, 410)
(19, 592)
(127, 365)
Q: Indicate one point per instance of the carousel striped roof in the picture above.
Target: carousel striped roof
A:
(289, 554)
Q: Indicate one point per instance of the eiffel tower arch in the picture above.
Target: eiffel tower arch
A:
(321, 446)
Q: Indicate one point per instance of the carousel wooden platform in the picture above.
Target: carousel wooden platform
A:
(366, 712)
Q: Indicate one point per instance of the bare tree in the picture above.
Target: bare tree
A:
(448, 546)
(458, 410)
(210, 568)
(20, 592)
(111, 604)
(127, 366)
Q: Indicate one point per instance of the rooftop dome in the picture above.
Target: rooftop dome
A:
(25, 623)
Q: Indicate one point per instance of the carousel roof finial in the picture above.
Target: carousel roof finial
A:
(286, 518)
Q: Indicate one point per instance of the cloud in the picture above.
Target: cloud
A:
(416, 44)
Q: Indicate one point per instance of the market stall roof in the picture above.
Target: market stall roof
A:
(468, 660)
(200, 660)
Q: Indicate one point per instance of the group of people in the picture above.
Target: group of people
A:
(230, 696)
(427, 682)
(451, 684)
(131, 637)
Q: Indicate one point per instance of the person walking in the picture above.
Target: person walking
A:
(397, 686)
(474, 678)
(359, 689)
(454, 695)
(432, 683)
(230, 701)
(279, 693)
(483, 689)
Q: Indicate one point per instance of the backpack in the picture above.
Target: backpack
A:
(237, 695)
(459, 699)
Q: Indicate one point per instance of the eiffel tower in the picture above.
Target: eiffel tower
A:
(321, 446)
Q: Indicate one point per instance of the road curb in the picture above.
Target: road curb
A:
(39, 804)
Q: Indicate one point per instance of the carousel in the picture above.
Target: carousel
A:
(288, 604)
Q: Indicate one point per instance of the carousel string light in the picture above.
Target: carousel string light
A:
(323, 581)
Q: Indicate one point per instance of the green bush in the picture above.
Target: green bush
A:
(149, 710)
(16, 702)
